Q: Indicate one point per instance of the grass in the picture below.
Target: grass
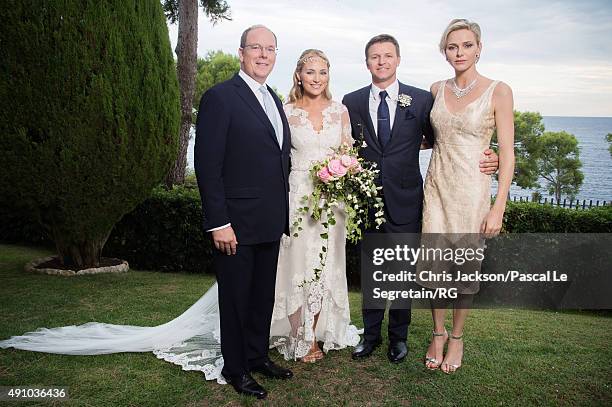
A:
(512, 357)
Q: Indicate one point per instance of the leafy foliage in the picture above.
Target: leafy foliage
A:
(215, 10)
(214, 68)
(528, 127)
(164, 233)
(527, 217)
(558, 162)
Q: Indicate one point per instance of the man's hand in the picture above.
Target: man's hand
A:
(490, 163)
(225, 240)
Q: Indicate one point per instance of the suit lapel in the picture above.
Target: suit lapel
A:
(400, 115)
(365, 113)
(285, 124)
(251, 100)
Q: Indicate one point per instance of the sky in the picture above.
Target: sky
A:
(555, 55)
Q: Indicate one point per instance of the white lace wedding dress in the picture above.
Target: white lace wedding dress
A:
(192, 340)
(295, 306)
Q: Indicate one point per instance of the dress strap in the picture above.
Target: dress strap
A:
(489, 92)
(441, 89)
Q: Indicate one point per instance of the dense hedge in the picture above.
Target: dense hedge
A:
(89, 114)
(527, 217)
(165, 232)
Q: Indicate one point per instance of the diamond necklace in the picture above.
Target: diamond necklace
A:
(462, 92)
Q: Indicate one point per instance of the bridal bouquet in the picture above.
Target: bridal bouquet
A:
(342, 177)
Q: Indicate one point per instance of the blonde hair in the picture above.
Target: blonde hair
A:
(297, 92)
(459, 24)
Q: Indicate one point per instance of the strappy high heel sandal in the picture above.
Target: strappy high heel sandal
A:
(452, 368)
(432, 363)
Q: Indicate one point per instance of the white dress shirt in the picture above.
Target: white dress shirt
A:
(392, 96)
(254, 86)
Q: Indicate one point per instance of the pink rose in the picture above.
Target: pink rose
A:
(336, 168)
(324, 175)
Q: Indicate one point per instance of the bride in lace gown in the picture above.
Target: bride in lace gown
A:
(320, 310)
(305, 314)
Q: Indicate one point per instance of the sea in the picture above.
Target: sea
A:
(594, 154)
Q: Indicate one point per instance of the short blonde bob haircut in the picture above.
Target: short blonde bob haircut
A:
(459, 24)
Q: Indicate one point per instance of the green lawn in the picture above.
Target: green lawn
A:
(512, 357)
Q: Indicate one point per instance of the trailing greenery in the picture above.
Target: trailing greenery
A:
(89, 117)
(512, 357)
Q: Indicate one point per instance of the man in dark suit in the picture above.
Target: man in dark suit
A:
(390, 121)
(242, 166)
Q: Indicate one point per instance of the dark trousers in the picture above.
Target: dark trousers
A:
(246, 299)
(399, 318)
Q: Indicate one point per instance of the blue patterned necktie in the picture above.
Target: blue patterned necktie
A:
(270, 107)
(384, 120)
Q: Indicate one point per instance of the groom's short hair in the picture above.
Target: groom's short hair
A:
(382, 38)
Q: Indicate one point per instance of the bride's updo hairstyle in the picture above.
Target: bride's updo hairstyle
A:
(297, 91)
(459, 24)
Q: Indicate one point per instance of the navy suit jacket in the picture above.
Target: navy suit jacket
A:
(398, 162)
(242, 172)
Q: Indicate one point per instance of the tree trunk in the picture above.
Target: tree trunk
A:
(81, 255)
(558, 186)
(186, 52)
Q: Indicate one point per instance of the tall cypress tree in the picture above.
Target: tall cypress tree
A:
(89, 117)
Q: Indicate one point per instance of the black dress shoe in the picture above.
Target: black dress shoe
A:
(272, 370)
(397, 351)
(365, 348)
(245, 384)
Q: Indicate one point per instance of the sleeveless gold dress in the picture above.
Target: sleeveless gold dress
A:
(457, 196)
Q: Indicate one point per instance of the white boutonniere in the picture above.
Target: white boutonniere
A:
(404, 100)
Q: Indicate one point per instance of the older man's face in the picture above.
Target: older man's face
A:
(257, 58)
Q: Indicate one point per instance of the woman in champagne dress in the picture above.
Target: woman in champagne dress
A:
(466, 111)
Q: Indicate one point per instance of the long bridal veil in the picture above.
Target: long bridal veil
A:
(192, 340)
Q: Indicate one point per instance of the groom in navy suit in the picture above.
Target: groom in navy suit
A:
(390, 121)
(242, 166)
